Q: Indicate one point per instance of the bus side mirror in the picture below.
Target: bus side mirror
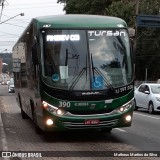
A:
(132, 32)
(34, 54)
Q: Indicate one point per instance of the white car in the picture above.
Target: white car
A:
(11, 86)
(147, 95)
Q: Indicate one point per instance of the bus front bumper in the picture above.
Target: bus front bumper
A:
(52, 122)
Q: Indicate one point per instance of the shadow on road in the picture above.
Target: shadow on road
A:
(81, 136)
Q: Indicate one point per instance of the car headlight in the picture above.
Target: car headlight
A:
(124, 107)
(158, 99)
(53, 109)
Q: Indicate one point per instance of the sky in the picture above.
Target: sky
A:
(11, 30)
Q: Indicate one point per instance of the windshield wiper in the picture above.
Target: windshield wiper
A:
(96, 70)
(75, 80)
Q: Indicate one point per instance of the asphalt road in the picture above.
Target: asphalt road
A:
(144, 133)
(17, 134)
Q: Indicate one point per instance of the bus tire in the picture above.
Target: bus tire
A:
(23, 114)
(36, 127)
(38, 130)
(135, 106)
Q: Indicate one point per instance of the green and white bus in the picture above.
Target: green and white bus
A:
(75, 72)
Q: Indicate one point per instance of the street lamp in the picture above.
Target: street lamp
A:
(21, 14)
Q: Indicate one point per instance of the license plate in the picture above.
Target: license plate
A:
(91, 121)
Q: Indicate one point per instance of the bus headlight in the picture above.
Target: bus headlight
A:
(54, 110)
(49, 122)
(60, 112)
(128, 118)
(125, 107)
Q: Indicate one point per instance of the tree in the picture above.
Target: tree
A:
(150, 7)
(121, 10)
(85, 7)
(148, 44)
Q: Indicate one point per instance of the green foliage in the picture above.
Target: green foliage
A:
(150, 7)
(148, 44)
(121, 10)
(85, 7)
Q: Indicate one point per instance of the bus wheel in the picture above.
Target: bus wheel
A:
(135, 106)
(37, 129)
(107, 130)
(23, 114)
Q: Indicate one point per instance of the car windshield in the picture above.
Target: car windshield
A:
(86, 59)
(155, 89)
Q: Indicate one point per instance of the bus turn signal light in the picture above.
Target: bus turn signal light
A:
(45, 105)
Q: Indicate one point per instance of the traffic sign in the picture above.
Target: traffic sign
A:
(148, 21)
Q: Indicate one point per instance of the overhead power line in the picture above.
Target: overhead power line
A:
(32, 3)
(32, 7)
(15, 25)
(9, 33)
(7, 36)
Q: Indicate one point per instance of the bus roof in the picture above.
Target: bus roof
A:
(79, 21)
(74, 21)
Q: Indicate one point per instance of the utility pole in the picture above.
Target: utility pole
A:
(137, 7)
(137, 11)
(135, 38)
(1, 4)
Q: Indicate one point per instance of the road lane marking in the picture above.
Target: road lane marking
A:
(3, 138)
(120, 129)
(146, 116)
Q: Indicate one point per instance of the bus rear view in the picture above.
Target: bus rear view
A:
(84, 71)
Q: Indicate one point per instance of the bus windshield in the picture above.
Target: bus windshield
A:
(86, 59)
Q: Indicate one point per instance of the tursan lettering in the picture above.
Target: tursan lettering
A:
(106, 33)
